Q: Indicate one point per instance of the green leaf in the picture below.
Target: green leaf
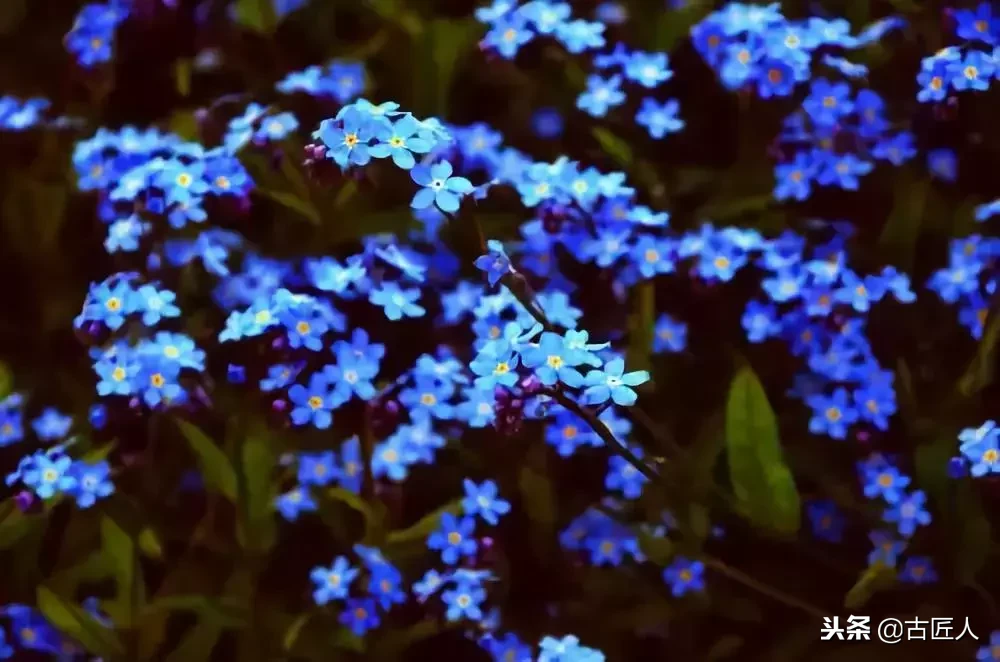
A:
(724, 648)
(641, 326)
(149, 544)
(74, 621)
(6, 381)
(538, 495)
(614, 146)
(975, 536)
(293, 632)
(13, 524)
(119, 553)
(257, 15)
(197, 644)
(221, 612)
(899, 235)
(980, 372)
(393, 11)
(373, 514)
(658, 549)
(392, 645)
(258, 492)
(33, 213)
(872, 580)
(764, 487)
(424, 526)
(446, 42)
(293, 202)
(216, 468)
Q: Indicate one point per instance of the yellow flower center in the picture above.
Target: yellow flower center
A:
(829, 102)
(114, 304)
(555, 361)
(118, 374)
(315, 402)
(222, 182)
(184, 180)
(396, 141)
(501, 369)
(652, 255)
(833, 414)
(302, 327)
(454, 538)
(970, 72)
(351, 139)
(428, 400)
(156, 380)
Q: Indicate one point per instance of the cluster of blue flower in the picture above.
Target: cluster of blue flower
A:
(527, 357)
(830, 116)
(964, 67)
(754, 46)
(92, 38)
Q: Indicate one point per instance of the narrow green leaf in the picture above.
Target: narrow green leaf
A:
(216, 468)
(641, 325)
(119, 553)
(293, 632)
(149, 544)
(222, 612)
(614, 146)
(763, 485)
(975, 535)
(872, 580)
(182, 76)
(293, 202)
(197, 644)
(538, 495)
(74, 621)
(899, 235)
(980, 372)
(724, 648)
(424, 526)
(13, 524)
(6, 381)
(658, 549)
(392, 645)
(446, 41)
(258, 529)
(256, 15)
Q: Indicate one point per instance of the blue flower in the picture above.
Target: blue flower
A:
(47, 476)
(454, 538)
(440, 187)
(397, 302)
(495, 263)
(600, 95)
(360, 615)
(334, 582)
(313, 404)
(293, 502)
(551, 361)
(659, 118)
(909, 513)
(464, 602)
(831, 415)
(93, 482)
(614, 383)
(684, 575)
(399, 141)
(482, 500)
(348, 143)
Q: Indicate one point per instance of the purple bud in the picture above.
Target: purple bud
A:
(236, 374)
(279, 405)
(957, 468)
(278, 343)
(98, 416)
(25, 500)
(391, 407)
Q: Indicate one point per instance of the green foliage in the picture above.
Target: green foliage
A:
(764, 487)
